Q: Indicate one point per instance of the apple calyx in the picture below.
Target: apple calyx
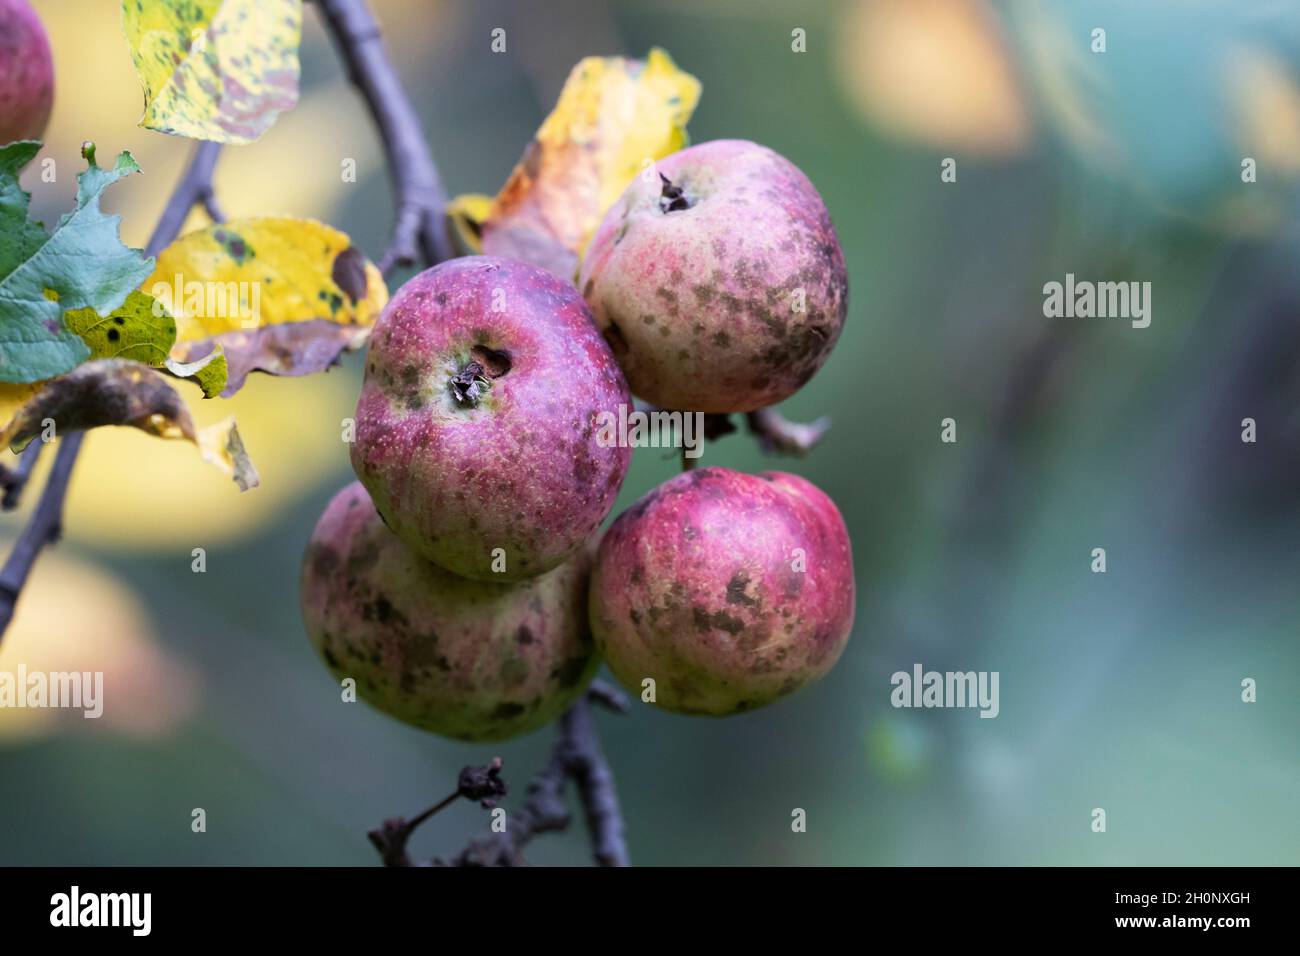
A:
(475, 376)
(672, 198)
(469, 383)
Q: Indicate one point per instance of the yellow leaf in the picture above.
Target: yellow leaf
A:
(221, 446)
(466, 214)
(614, 116)
(214, 69)
(255, 272)
(276, 294)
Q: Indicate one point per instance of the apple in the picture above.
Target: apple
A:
(466, 659)
(719, 281)
(728, 590)
(476, 429)
(26, 73)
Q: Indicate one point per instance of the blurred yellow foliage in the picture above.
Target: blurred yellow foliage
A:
(938, 72)
(146, 691)
(131, 491)
(1266, 97)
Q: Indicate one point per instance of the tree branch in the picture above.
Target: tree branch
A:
(586, 765)
(45, 527)
(194, 188)
(13, 480)
(575, 755)
(776, 434)
(483, 784)
(46, 523)
(420, 227)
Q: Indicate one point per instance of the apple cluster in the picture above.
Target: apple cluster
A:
(462, 581)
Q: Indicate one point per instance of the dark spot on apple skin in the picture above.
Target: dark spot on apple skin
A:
(588, 288)
(720, 620)
(507, 711)
(324, 560)
(524, 636)
(722, 339)
(736, 593)
(793, 584)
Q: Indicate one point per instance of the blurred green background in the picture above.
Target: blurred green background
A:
(1119, 691)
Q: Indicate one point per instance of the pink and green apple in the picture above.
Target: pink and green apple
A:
(719, 282)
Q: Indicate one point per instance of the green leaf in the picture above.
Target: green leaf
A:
(141, 330)
(21, 236)
(81, 265)
(138, 329)
(209, 373)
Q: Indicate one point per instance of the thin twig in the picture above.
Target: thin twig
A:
(420, 228)
(543, 811)
(778, 435)
(575, 755)
(587, 766)
(483, 784)
(46, 523)
(212, 207)
(14, 480)
(195, 187)
(608, 696)
(45, 527)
